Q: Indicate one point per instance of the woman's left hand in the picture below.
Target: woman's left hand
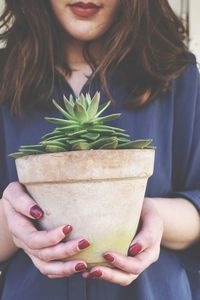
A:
(143, 251)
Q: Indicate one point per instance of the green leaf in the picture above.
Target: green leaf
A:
(54, 148)
(102, 108)
(112, 145)
(81, 146)
(102, 131)
(97, 144)
(77, 133)
(50, 135)
(83, 101)
(31, 151)
(88, 99)
(80, 113)
(137, 144)
(99, 126)
(72, 142)
(150, 147)
(60, 121)
(35, 147)
(68, 128)
(69, 106)
(62, 111)
(55, 137)
(107, 118)
(17, 154)
(91, 136)
(93, 108)
(122, 140)
(120, 134)
(71, 100)
(53, 143)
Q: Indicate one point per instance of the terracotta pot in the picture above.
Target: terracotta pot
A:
(99, 192)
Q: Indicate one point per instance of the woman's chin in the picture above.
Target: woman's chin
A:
(84, 37)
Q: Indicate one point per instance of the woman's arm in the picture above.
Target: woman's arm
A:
(8, 248)
(181, 222)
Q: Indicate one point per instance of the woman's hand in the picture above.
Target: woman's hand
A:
(143, 251)
(45, 248)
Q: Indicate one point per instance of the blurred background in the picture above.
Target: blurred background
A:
(189, 11)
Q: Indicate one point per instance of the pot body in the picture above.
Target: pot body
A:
(99, 192)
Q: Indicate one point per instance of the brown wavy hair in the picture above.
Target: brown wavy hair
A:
(146, 41)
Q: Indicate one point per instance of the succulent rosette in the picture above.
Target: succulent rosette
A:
(82, 128)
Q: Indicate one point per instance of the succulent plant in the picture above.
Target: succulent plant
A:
(82, 129)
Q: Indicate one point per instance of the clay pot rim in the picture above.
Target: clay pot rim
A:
(84, 152)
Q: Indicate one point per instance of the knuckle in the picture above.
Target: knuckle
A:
(126, 282)
(71, 251)
(67, 270)
(40, 266)
(6, 193)
(65, 273)
(107, 274)
(43, 269)
(122, 265)
(43, 272)
(137, 269)
(32, 244)
(44, 256)
(150, 239)
(52, 239)
(156, 255)
(16, 241)
(9, 189)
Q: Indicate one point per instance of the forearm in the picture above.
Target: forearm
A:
(8, 247)
(181, 222)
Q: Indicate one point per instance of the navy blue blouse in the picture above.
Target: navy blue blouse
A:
(173, 122)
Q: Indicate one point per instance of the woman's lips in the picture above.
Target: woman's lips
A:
(84, 10)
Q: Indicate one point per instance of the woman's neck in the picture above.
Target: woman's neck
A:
(81, 70)
(74, 54)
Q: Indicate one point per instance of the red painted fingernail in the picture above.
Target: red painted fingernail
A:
(80, 267)
(96, 273)
(83, 244)
(109, 257)
(67, 229)
(135, 249)
(36, 212)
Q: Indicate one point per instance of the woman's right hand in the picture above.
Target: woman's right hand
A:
(45, 248)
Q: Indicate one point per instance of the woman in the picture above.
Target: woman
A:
(132, 51)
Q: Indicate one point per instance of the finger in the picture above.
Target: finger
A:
(42, 239)
(58, 252)
(111, 275)
(133, 265)
(149, 236)
(23, 229)
(15, 194)
(55, 276)
(59, 269)
(16, 221)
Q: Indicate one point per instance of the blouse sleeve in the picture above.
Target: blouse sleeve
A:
(186, 155)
